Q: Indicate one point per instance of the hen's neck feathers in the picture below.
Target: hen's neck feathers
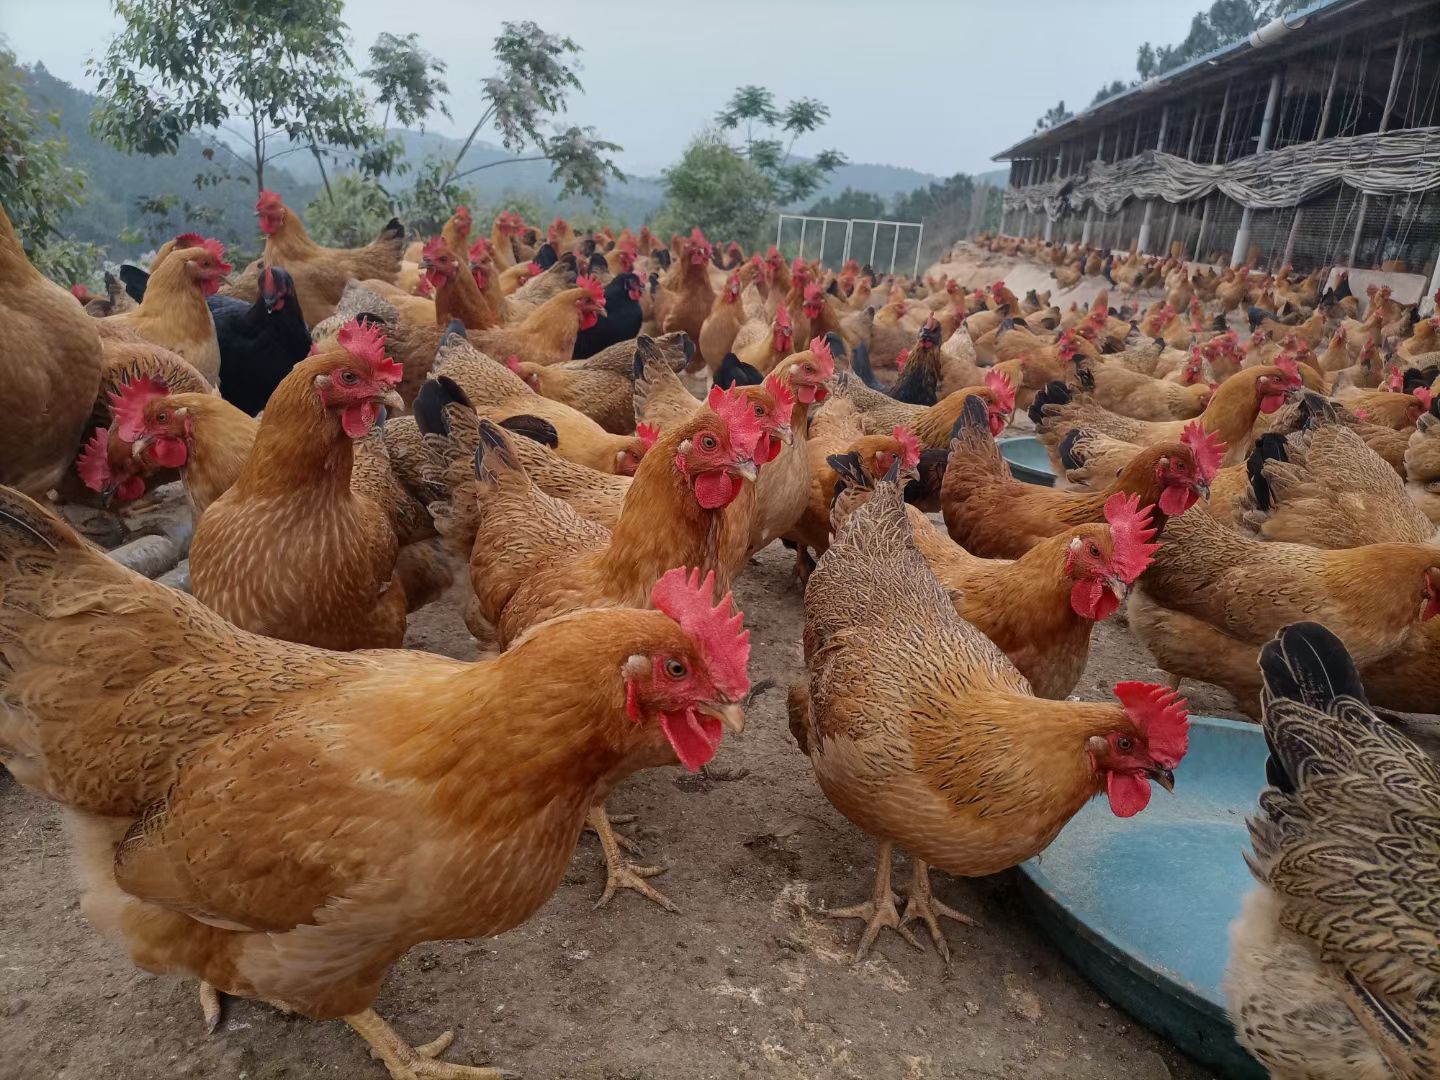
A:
(300, 448)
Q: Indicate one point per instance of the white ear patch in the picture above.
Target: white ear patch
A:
(636, 666)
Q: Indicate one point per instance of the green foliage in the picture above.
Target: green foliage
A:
(431, 199)
(849, 204)
(768, 150)
(351, 215)
(37, 187)
(713, 186)
(1056, 114)
(1119, 86)
(409, 83)
(536, 73)
(277, 68)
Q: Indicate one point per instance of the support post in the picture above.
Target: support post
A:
(1384, 127)
(1289, 254)
(1090, 210)
(1143, 244)
(919, 240)
(824, 226)
(1267, 125)
(1214, 160)
(1189, 156)
(803, 223)
(1429, 297)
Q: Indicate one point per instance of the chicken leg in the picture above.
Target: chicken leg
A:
(620, 874)
(923, 907)
(407, 1062)
(879, 911)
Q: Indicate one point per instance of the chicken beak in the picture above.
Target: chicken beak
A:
(1119, 588)
(1164, 777)
(139, 446)
(744, 470)
(786, 434)
(732, 715)
(393, 401)
(1201, 489)
(107, 495)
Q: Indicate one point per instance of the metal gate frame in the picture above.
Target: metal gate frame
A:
(850, 224)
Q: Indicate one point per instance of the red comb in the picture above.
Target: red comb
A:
(780, 391)
(782, 316)
(366, 341)
(94, 464)
(901, 359)
(696, 236)
(127, 404)
(1287, 367)
(80, 292)
(1207, 447)
(189, 240)
(593, 287)
(1162, 716)
(434, 248)
(734, 408)
(1003, 390)
(824, 358)
(722, 637)
(909, 446)
(217, 250)
(1396, 379)
(533, 268)
(1424, 394)
(1130, 533)
(648, 434)
(479, 250)
(813, 293)
(267, 199)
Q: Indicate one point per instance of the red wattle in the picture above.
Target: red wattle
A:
(1270, 402)
(169, 453)
(358, 419)
(715, 490)
(1129, 793)
(1175, 500)
(693, 738)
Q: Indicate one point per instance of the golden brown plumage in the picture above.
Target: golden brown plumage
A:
(1213, 596)
(924, 735)
(49, 368)
(302, 817)
(291, 550)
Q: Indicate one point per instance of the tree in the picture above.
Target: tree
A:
(1119, 86)
(410, 85)
(350, 214)
(37, 188)
(714, 187)
(1056, 114)
(787, 182)
(536, 73)
(850, 204)
(279, 70)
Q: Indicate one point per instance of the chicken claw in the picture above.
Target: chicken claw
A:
(629, 843)
(922, 906)
(620, 874)
(210, 1006)
(407, 1062)
(879, 911)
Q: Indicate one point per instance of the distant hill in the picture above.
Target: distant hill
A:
(111, 216)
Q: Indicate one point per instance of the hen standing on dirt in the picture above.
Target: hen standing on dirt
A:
(922, 733)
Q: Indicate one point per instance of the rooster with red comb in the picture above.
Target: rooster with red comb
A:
(923, 733)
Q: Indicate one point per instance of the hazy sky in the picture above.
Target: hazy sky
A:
(936, 85)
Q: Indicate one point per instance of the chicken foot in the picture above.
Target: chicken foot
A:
(879, 911)
(407, 1062)
(620, 874)
(211, 1002)
(922, 906)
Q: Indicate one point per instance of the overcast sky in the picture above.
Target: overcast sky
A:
(936, 85)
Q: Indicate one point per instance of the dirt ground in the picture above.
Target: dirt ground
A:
(749, 980)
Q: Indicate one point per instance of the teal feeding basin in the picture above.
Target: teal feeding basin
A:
(1143, 906)
(1028, 460)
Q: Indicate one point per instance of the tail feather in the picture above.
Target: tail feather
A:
(393, 231)
(25, 523)
(735, 372)
(1054, 393)
(860, 364)
(1071, 455)
(535, 428)
(494, 457)
(924, 490)
(971, 440)
(1269, 447)
(430, 402)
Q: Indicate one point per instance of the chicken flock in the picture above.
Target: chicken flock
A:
(592, 435)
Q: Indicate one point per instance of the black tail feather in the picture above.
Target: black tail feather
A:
(136, 280)
(860, 364)
(1054, 393)
(1069, 456)
(393, 230)
(430, 402)
(1269, 447)
(535, 428)
(492, 446)
(1306, 663)
(735, 372)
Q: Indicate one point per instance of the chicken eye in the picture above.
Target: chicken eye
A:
(1125, 744)
(349, 378)
(162, 417)
(1095, 551)
(759, 410)
(708, 443)
(675, 669)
